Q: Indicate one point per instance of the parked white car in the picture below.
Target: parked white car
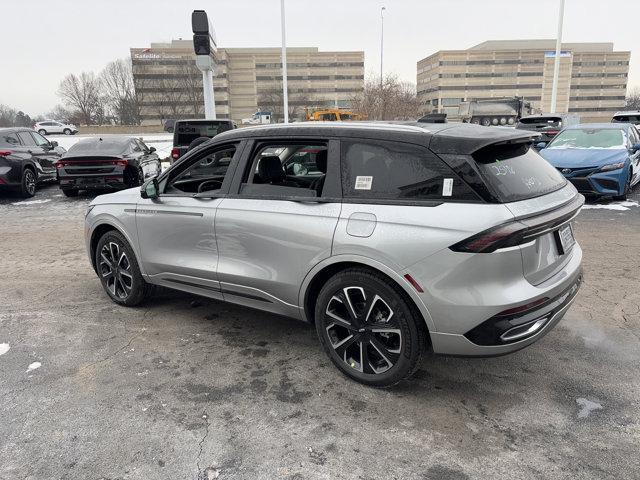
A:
(52, 126)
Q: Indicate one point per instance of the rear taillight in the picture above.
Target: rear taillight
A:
(175, 153)
(122, 163)
(5, 153)
(507, 235)
(552, 132)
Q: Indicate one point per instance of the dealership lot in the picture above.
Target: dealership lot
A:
(191, 388)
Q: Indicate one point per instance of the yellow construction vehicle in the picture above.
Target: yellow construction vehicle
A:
(332, 115)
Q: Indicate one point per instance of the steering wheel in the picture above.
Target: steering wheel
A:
(217, 183)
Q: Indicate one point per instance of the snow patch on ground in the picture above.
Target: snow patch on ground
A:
(32, 202)
(619, 206)
(586, 407)
(33, 366)
(4, 348)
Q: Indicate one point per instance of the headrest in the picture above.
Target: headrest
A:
(270, 169)
(321, 161)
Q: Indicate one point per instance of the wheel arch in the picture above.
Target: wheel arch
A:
(319, 275)
(99, 230)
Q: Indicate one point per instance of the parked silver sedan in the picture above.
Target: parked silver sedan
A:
(390, 239)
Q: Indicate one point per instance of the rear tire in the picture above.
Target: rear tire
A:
(69, 192)
(118, 270)
(28, 184)
(368, 328)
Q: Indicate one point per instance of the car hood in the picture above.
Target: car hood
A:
(128, 196)
(583, 157)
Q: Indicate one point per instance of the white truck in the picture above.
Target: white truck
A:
(258, 118)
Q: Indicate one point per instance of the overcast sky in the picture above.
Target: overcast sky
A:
(43, 40)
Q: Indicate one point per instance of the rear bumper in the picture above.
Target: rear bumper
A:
(92, 182)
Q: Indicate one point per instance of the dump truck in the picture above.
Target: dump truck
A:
(494, 111)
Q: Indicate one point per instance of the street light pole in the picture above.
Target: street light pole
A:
(285, 93)
(556, 67)
(382, 10)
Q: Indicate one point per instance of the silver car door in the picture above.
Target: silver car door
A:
(175, 230)
(273, 232)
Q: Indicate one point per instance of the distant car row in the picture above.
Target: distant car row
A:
(95, 163)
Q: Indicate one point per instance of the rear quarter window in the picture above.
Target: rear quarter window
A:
(517, 172)
(378, 170)
(9, 140)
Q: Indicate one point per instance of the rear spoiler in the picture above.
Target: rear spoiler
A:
(466, 139)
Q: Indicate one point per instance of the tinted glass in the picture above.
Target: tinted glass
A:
(100, 146)
(9, 140)
(517, 172)
(40, 140)
(27, 140)
(590, 138)
(187, 132)
(626, 118)
(398, 171)
(542, 121)
(211, 169)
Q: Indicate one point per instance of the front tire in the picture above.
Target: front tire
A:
(119, 272)
(28, 185)
(42, 131)
(369, 329)
(66, 131)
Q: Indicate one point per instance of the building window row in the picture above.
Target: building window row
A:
(598, 87)
(592, 109)
(178, 104)
(601, 64)
(151, 76)
(315, 90)
(311, 64)
(523, 86)
(599, 75)
(597, 98)
(490, 75)
(445, 63)
(310, 77)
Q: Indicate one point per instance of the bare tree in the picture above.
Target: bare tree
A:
(390, 99)
(633, 100)
(191, 84)
(7, 116)
(82, 92)
(116, 81)
(272, 100)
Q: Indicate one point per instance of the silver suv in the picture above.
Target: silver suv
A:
(390, 239)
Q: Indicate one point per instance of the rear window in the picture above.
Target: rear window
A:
(398, 171)
(9, 140)
(187, 132)
(517, 172)
(100, 146)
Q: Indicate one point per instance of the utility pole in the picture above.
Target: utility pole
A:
(285, 93)
(204, 43)
(382, 10)
(556, 68)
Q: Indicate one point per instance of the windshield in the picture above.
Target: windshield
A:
(590, 138)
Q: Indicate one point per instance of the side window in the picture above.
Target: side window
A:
(206, 173)
(135, 146)
(286, 169)
(9, 140)
(398, 171)
(27, 140)
(40, 140)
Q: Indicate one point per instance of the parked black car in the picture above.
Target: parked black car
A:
(186, 131)
(26, 159)
(547, 125)
(113, 162)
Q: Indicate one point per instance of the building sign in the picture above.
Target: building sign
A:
(147, 54)
(552, 54)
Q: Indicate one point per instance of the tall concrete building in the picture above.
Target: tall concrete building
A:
(246, 79)
(592, 84)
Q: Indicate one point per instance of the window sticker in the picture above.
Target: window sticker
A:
(363, 183)
(447, 187)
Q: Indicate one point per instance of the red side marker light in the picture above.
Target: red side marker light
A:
(413, 283)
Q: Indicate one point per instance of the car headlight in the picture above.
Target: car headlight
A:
(89, 208)
(613, 166)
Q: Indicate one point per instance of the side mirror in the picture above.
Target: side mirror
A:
(541, 145)
(53, 143)
(152, 149)
(150, 189)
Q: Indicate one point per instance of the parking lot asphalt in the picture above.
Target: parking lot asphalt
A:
(189, 388)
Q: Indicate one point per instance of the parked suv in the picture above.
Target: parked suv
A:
(51, 126)
(390, 239)
(186, 131)
(627, 117)
(110, 162)
(26, 159)
(548, 125)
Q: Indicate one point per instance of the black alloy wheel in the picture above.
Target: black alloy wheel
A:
(28, 186)
(368, 328)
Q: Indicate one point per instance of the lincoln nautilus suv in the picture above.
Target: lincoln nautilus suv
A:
(391, 239)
